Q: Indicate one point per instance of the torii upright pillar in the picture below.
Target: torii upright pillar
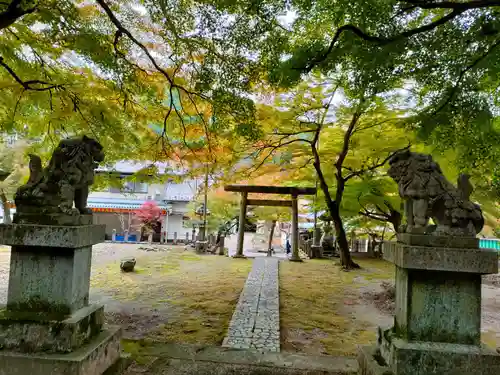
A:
(293, 191)
(295, 230)
(241, 226)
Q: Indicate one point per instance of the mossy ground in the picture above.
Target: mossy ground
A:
(194, 294)
(315, 299)
(323, 310)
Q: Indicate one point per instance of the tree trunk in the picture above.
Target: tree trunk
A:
(395, 220)
(334, 205)
(334, 209)
(271, 235)
(6, 209)
(345, 255)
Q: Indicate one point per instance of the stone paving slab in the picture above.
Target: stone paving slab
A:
(189, 359)
(255, 322)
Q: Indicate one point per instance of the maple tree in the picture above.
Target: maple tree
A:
(12, 163)
(68, 67)
(97, 66)
(442, 54)
(148, 216)
(350, 146)
(160, 80)
(222, 206)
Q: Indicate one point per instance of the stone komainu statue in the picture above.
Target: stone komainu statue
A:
(65, 180)
(428, 194)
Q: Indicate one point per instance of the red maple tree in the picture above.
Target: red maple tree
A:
(148, 216)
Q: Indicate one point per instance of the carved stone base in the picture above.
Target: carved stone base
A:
(52, 219)
(437, 325)
(427, 358)
(438, 241)
(480, 261)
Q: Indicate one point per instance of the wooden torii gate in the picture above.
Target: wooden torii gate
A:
(294, 192)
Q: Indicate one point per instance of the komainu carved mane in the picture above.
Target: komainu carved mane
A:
(428, 194)
(66, 180)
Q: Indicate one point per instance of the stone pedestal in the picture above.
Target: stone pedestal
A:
(201, 246)
(316, 251)
(221, 245)
(48, 326)
(437, 324)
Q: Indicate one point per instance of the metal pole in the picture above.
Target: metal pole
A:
(205, 205)
(166, 227)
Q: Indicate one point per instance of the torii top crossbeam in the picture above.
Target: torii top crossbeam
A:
(292, 190)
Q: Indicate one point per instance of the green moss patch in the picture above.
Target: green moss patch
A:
(313, 300)
(195, 295)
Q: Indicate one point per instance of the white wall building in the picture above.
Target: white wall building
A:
(115, 207)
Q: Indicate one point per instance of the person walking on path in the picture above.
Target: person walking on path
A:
(288, 247)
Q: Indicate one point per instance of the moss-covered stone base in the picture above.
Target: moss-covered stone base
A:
(94, 358)
(370, 362)
(33, 332)
(427, 358)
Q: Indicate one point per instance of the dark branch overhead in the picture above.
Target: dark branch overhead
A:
(269, 203)
(271, 189)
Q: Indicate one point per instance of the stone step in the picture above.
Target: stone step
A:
(186, 359)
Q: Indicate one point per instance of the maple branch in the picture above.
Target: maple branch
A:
(307, 163)
(270, 148)
(463, 73)
(319, 172)
(116, 40)
(457, 9)
(290, 134)
(14, 11)
(373, 215)
(360, 128)
(378, 164)
(123, 30)
(31, 84)
(393, 217)
(475, 4)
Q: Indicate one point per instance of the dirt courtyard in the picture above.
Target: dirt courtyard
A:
(173, 295)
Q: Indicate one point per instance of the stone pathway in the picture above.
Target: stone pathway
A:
(256, 321)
